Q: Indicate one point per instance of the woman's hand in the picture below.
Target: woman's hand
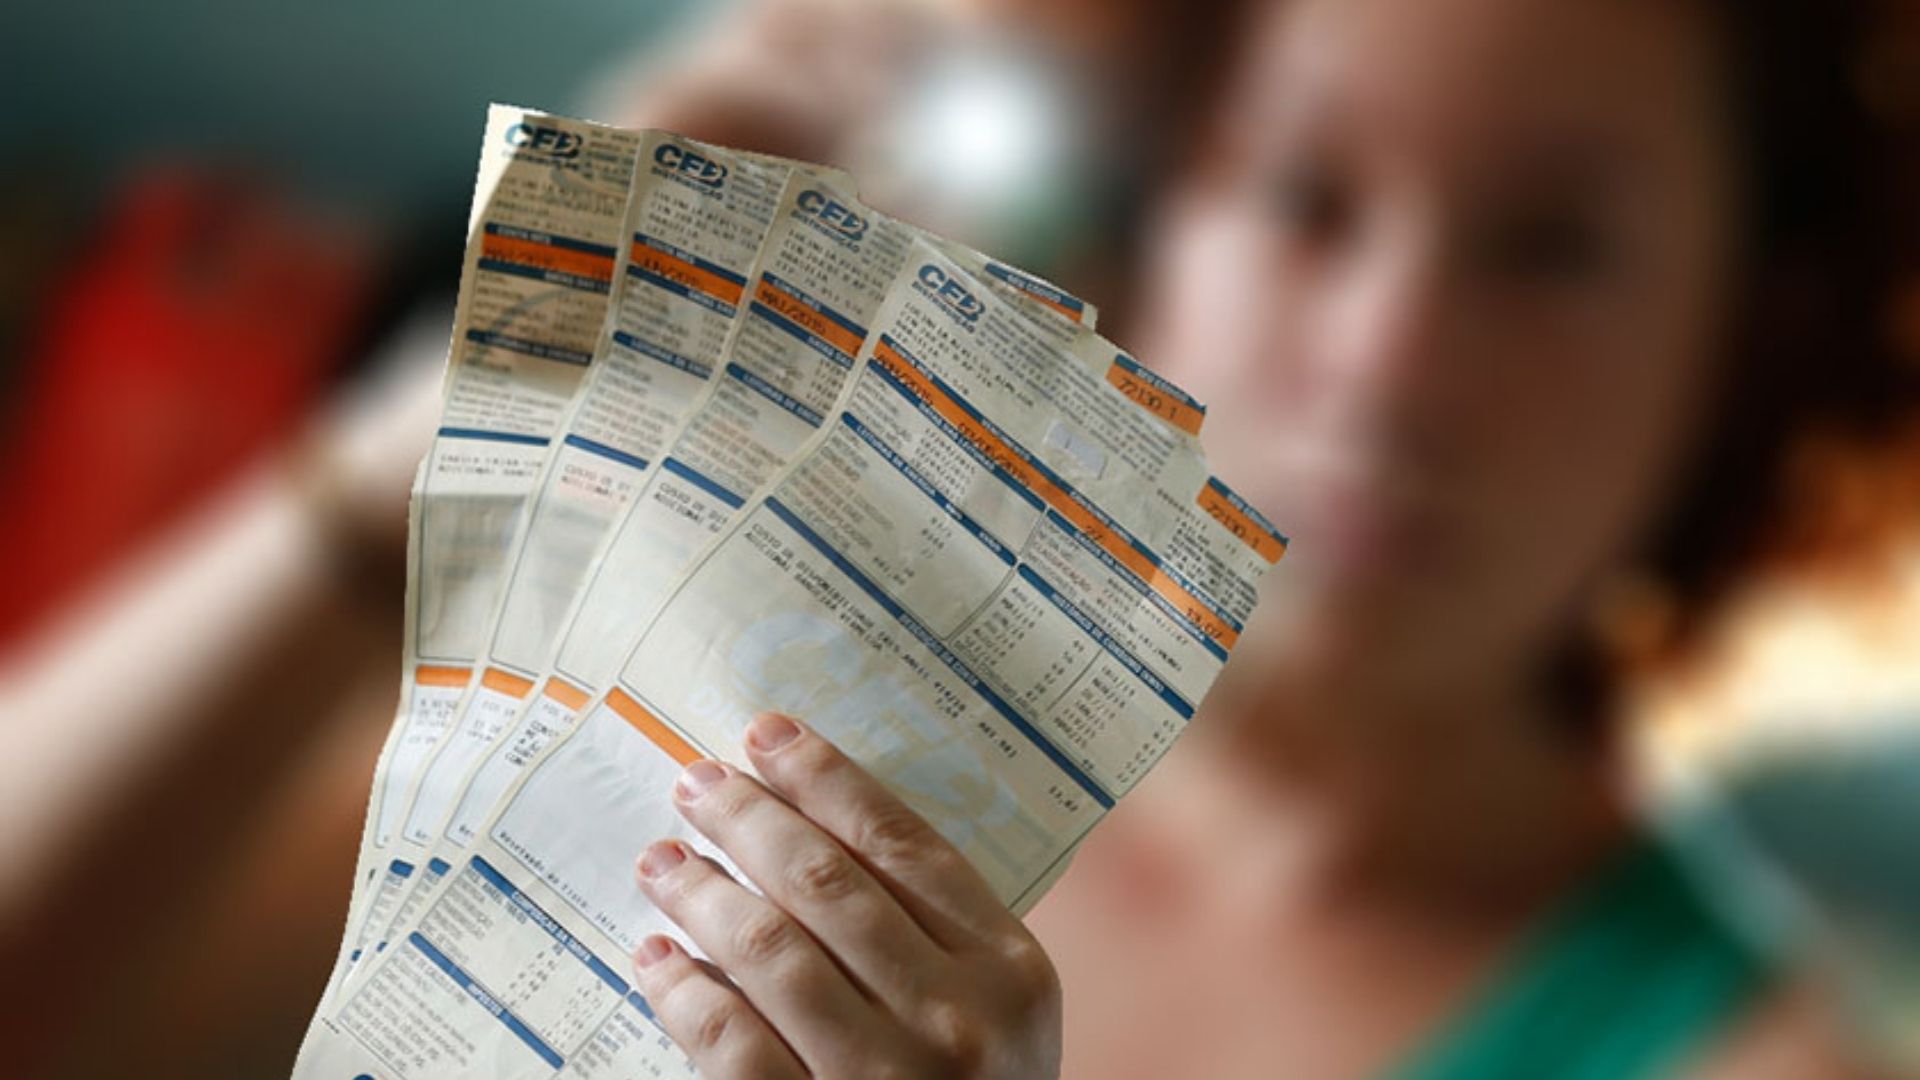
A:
(876, 951)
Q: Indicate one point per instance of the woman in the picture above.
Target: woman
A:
(1500, 303)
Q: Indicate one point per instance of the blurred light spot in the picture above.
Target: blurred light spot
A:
(982, 134)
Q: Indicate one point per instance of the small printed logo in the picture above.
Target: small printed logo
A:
(550, 141)
(833, 214)
(690, 165)
(951, 294)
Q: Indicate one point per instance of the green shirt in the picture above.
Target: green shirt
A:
(1632, 975)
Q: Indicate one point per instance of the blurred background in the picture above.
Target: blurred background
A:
(229, 238)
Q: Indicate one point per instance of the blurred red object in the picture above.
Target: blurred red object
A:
(193, 332)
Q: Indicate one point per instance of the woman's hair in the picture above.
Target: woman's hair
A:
(1809, 451)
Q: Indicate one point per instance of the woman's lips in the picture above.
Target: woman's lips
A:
(1367, 535)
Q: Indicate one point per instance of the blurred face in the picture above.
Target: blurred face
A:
(1451, 281)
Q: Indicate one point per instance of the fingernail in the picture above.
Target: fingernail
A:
(698, 777)
(662, 857)
(771, 731)
(653, 949)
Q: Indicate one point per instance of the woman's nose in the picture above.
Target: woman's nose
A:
(1386, 346)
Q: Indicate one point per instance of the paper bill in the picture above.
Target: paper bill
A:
(819, 461)
(693, 225)
(748, 422)
(541, 256)
(986, 574)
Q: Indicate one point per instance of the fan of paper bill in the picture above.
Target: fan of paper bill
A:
(717, 438)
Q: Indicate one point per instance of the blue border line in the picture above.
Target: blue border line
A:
(939, 649)
(774, 395)
(683, 290)
(1027, 283)
(890, 456)
(813, 302)
(1119, 652)
(1240, 504)
(1214, 606)
(608, 452)
(541, 273)
(702, 481)
(671, 359)
(665, 247)
(801, 334)
(574, 946)
(491, 436)
(1111, 565)
(515, 232)
(529, 348)
(953, 434)
(487, 1001)
(1134, 367)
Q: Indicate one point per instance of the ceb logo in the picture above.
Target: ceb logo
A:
(690, 164)
(951, 294)
(833, 214)
(551, 141)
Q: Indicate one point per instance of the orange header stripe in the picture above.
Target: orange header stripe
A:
(649, 725)
(1240, 525)
(792, 309)
(1156, 401)
(429, 675)
(1122, 552)
(1071, 314)
(565, 693)
(546, 257)
(673, 268)
(506, 682)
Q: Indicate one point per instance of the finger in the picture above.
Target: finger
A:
(783, 972)
(930, 877)
(710, 1021)
(807, 873)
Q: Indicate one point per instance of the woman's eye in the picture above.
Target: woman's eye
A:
(1548, 250)
(1310, 204)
